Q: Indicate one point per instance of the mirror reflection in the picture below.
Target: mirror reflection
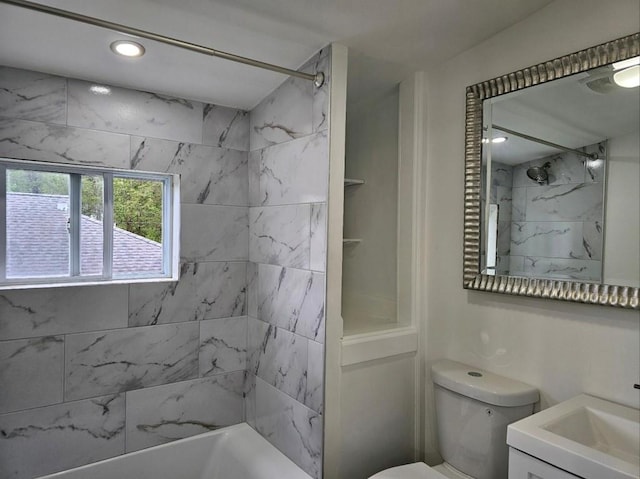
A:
(561, 179)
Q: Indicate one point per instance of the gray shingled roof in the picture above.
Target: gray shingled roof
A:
(38, 241)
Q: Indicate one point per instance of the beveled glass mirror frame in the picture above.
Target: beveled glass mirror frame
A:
(575, 291)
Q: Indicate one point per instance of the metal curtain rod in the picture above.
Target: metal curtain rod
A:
(317, 78)
(544, 142)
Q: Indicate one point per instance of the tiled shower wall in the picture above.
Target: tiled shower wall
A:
(92, 372)
(288, 184)
(553, 230)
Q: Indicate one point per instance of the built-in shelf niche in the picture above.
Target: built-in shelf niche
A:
(352, 182)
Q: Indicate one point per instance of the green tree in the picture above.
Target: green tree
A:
(137, 207)
(92, 197)
(37, 182)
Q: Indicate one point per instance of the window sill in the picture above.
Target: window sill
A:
(59, 284)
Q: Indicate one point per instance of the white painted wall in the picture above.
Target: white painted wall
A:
(377, 405)
(563, 349)
(622, 220)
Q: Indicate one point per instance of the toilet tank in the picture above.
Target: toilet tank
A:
(473, 409)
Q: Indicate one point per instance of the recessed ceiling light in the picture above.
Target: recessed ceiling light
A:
(127, 48)
(100, 89)
(628, 78)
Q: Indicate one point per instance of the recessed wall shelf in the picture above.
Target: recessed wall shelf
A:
(349, 241)
(352, 182)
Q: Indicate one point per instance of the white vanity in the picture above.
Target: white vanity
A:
(584, 437)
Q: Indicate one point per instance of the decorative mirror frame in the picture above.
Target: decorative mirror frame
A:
(575, 291)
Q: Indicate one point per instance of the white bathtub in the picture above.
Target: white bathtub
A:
(234, 452)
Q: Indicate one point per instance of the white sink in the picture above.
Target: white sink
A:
(586, 436)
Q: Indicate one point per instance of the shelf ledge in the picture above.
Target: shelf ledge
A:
(352, 182)
(349, 241)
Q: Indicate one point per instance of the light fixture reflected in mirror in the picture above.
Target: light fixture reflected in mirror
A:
(497, 139)
(628, 78)
(627, 73)
(127, 48)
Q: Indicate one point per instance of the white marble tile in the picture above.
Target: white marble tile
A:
(133, 358)
(226, 127)
(214, 233)
(504, 237)
(516, 265)
(55, 438)
(252, 289)
(165, 413)
(293, 428)
(502, 266)
(314, 397)
(31, 140)
(279, 357)
(255, 160)
(504, 200)
(550, 239)
(501, 175)
(318, 241)
(205, 291)
(295, 172)
(592, 232)
(284, 115)
(280, 235)
(31, 372)
(30, 95)
(518, 203)
(292, 299)
(134, 112)
(208, 175)
(320, 62)
(223, 345)
(573, 202)
(561, 268)
(250, 399)
(43, 312)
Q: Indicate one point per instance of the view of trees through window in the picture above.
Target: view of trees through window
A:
(137, 204)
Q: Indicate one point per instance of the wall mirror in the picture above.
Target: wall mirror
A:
(552, 179)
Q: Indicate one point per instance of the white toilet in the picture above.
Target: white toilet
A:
(473, 410)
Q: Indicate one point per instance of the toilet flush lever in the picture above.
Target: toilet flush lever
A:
(636, 386)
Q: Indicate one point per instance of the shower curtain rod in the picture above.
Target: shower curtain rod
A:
(317, 78)
(544, 142)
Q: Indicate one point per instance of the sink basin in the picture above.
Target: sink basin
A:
(586, 436)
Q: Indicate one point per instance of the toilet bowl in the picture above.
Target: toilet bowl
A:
(473, 409)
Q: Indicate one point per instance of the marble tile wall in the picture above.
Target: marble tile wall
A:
(556, 228)
(83, 368)
(288, 176)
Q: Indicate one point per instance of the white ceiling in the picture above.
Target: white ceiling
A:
(405, 35)
(566, 112)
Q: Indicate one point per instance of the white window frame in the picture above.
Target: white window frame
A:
(170, 226)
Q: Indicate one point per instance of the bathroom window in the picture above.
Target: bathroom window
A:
(64, 225)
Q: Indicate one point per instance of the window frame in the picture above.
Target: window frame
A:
(170, 225)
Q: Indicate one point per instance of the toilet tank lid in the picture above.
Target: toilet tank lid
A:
(482, 385)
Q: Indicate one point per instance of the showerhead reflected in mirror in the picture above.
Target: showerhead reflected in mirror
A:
(539, 174)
